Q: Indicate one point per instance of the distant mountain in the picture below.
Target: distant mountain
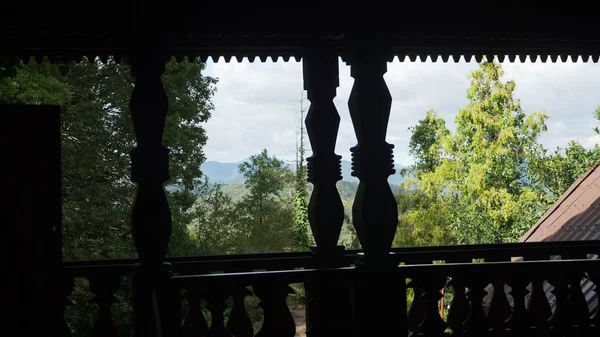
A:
(227, 173)
(394, 179)
(346, 189)
(222, 173)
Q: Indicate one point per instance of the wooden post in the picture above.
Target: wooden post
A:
(151, 216)
(328, 306)
(374, 212)
(31, 223)
(325, 208)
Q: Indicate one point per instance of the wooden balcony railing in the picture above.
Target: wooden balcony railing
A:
(513, 289)
(541, 289)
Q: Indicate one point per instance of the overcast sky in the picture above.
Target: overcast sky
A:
(256, 103)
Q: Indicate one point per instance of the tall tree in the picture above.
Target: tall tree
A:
(216, 221)
(301, 225)
(266, 212)
(424, 144)
(480, 173)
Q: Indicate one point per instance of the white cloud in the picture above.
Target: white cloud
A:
(591, 141)
(256, 102)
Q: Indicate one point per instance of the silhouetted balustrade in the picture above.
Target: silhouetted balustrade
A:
(360, 293)
(537, 296)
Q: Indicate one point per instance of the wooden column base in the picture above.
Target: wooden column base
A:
(379, 304)
(156, 302)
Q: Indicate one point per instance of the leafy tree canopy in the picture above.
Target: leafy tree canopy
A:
(489, 180)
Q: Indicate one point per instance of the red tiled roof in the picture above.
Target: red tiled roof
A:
(574, 216)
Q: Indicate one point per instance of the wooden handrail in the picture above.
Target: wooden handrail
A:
(299, 275)
(409, 255)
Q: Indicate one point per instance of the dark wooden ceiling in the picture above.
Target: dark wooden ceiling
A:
(444, 29)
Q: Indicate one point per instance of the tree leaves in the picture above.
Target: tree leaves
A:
(97, 135)
(475, 184)
(267, 212)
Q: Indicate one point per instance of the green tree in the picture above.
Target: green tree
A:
(216, 221)
(423, 219)
(8, 66)
(424, 144)
(348, 236)
(97, 136)
(478, 189)
(554, 172)
(301, 225)
(266, 210)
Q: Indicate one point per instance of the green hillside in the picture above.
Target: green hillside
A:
(347, 190)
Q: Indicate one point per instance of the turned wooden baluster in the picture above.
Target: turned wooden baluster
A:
(325, 208)
(477, 323)
(459, 310)
(594, 275)
(433, 324)
(499, 308)
(418, 307)
(327, 307)
(577, 315)
(194, 324)
(560, 290)
(538, 308)
(239, 324)
(459, 307)
(66, 288)
(216, 305)
(151, 216)
(375, 213)
(104, 286)
(278, 321)
(518, 321)
(571, 315)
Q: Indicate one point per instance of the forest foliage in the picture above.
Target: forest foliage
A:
(490, 179)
